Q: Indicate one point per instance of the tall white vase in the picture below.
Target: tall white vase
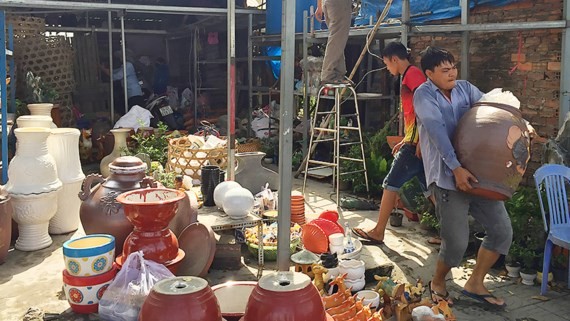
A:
(34, 121)
(34, 185)
(43, 109)
(120, 135)
(63, 145)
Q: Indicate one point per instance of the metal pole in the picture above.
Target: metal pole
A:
(123, 47)
(465, 40)
(12, 69)
(195, 76)
(111, 89)
(565, 68)
(231, 88)
(306, 95)
(4, 98)
(405, 32)
(250, 72)
(286, 133)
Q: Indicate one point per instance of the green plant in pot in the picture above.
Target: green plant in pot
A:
(37, 91)
(268, 145)
(512, 261)
(529, 263)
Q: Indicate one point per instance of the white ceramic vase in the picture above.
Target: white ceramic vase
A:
(33, 186)
(528, 279)
(221, 190)
(43, 109)
(119, 148)
(513, 271)
(250, 174)
(238, 202)
(34, 121)
(63, 145)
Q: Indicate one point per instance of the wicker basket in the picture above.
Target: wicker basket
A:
(183, 159)
(252, 146)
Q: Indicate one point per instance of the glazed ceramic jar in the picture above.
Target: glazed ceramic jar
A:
(63, 145)
(100, 212)
(284, 296)
(181, 299)
(150, 210)
(492, 141)
(238, 202)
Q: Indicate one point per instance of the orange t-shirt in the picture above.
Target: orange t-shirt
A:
(412, 78)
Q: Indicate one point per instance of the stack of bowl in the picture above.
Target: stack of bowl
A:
(89, 270)
(298, 208)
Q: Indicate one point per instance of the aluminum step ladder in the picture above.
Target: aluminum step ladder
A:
(321, 132)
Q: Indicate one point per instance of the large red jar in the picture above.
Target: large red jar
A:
(285, 296)
(492, 141)
(100, 212)
(185, 298)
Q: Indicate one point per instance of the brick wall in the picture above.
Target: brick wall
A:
(536, 53)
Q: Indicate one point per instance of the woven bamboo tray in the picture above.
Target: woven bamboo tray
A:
(183, 159)
(251, 146)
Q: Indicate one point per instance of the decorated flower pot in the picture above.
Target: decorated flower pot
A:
(89, 255)
(84, 293)
(42, 109)
(181, 299)
(285, 296)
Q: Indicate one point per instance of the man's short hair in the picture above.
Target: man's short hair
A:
(396, 49)
(434, 56)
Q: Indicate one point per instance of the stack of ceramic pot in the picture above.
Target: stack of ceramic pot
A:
(354, 270)
(336, 243)
(316, 233)
(285, 296)
(181, 299)
(33, 186)
(298, 208)
(150, 210)
(89, 269)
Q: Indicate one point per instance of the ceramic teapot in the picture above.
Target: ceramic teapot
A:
(100, 212)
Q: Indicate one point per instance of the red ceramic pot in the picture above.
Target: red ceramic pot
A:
(84, 293)
(314, 238)
(233, 297)
(492, 141)
(285, 296)
(150, 210)
(181, 299)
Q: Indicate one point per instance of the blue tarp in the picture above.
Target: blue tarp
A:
(420, 10)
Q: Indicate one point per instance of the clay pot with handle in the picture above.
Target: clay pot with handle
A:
(100, 212)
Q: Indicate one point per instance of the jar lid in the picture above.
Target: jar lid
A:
(127, 165)
(180, 285)
(284, 281)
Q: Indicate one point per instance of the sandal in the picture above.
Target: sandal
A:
(364, 235)
(438, 296)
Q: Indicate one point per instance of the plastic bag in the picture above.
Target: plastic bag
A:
(125, 296)
(136, 117)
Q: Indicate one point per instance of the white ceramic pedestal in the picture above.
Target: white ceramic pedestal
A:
(32, 213)
(43, 109)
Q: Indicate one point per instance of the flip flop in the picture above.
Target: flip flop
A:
(482, 298)
(363, 235)
(439, 296)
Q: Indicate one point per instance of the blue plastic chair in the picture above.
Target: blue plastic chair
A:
(554, 179)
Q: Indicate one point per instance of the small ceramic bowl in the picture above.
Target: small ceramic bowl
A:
(369, 297)
(336, 239)
(89, 255)
(355, 285)
(353, 268)
(84, 293)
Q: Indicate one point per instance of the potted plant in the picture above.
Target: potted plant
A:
(396, 218)
(528, 259)
(512, 263)
(268, 147)
(39, 96)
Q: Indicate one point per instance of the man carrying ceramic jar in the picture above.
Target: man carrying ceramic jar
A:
(338, 16)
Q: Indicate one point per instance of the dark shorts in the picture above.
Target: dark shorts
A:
(406, 165)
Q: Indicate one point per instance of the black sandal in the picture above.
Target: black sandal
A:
(439, 296)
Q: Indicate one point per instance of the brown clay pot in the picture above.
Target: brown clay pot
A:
(492, 142)
(233, 297)
(150, 210)
(100, 212)
(56, 115)
(284, 296)
(5, 226)
(181, 299)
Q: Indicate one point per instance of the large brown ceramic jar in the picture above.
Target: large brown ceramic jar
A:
(100, 212)
(492, 141)
(5, 226)
(185, 298)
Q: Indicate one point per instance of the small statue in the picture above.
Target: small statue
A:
(414, 293)
(349, 246)
(339, 282)
(86, 145)
(336, 299)
(318, 271)
(388, 286)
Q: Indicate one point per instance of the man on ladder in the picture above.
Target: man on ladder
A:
(407, 156)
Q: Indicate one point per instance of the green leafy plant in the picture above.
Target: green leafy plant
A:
(37, 91)
(166, 179)
(297, 159)
(154, 145)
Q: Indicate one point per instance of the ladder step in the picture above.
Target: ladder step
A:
(351, 143)
(326, 112)
(349, 115)
(324, 140)
(349, 128)
(317, 167)
(353, 172)
(328, 130)
(351, 159)
(325, 164)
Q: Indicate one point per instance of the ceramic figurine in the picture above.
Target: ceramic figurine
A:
(347, 315)
(349, 246)
(335, 299)
(414, 293)
(442, 307)
(389, 287)
(363, 311)
(377, 316)
(318, 271)
(86, 145)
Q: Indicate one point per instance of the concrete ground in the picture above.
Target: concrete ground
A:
(33, 279)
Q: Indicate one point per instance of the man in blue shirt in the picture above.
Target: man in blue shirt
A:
(134, 91)
(440, 102)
